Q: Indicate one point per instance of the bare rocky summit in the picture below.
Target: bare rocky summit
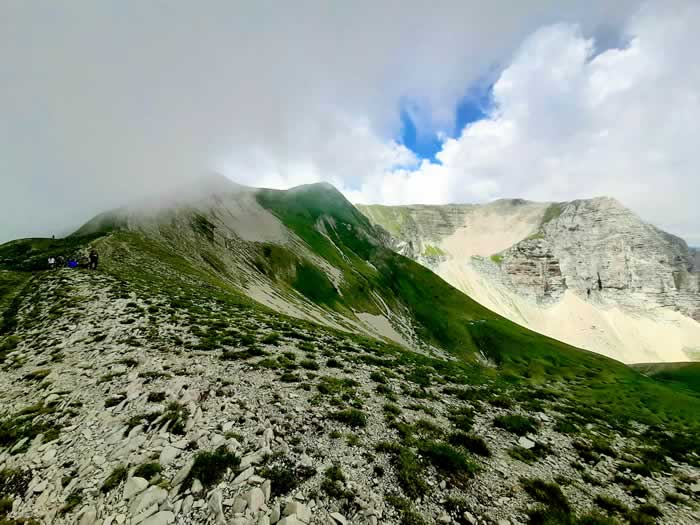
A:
(593, 250)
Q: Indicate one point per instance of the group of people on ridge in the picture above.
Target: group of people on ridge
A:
(75, 261)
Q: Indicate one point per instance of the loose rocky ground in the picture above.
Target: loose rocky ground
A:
(126, 407)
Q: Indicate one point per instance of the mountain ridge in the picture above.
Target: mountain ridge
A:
(561, 268)
(231, 350)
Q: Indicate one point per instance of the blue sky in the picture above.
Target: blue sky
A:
(425, 143)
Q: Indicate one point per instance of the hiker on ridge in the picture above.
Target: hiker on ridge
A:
(93, 259)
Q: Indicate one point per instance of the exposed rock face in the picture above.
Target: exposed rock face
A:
(695, 257)
(534, 262)
(600, 246)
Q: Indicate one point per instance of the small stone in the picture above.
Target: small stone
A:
(290, 520)
(526, 443)
(443, 484)
(52, 399)
(183, 473)
(134, 486)
(299, 509)
(152, 497)
(444, 518)
(40, 487)
(98, 460)
(146, 513)
(120, 519)
(695, 487)
(89, 517)
(275, 514)
(160, 518)
(243, 476)
(267, 489)
(168, 455)
(239, 504)
(215, 505)
(339, 518)
(469, 518)
(187, 504)
(196, 486)
(49, 456)
(255, 499)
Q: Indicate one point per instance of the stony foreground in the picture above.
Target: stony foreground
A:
(126, 408)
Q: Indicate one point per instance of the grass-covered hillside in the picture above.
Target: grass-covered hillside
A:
(165, 367)
(678, 375)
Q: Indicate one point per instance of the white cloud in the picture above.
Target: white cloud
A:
(102, 102)
(567, 123)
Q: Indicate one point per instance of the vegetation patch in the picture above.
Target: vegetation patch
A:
(114, 479)
(409, 515)
(176, 415)
(74, 499)
(352, 417)
(517, 424)
(156, 397)
(148, 471)
(285, 477)
(210, 467)
(448, 460)
(555, 509)
(332, 484)
(471, 442)
(37, 375)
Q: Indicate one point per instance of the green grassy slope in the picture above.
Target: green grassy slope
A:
(592, 387)
(683, 375)
(449, 319)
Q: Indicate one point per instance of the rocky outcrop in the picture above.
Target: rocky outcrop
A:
(588, 272)
(592, 247)
(599, 247)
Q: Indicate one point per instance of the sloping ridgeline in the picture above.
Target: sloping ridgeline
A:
(169, 305)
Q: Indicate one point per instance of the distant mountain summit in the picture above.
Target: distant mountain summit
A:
(257, 356)
(589, 272)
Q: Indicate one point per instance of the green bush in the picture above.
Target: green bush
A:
(409, 473)
(148, 470)
(37, 375)
(531, 455)
(473, 443)
(210, 467)
(239, 355)
(273, 338)
(409, 516)
(391, 409)
(448, 460)
(309, 364)
(177, 415)
(115, 478)
(156, 397)
(74, 499)
(610, 504)
(351, 416)
(378, 377)
(332, 478)
(286, 477)
(114, 400)
(517, 424)
(549, 494)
